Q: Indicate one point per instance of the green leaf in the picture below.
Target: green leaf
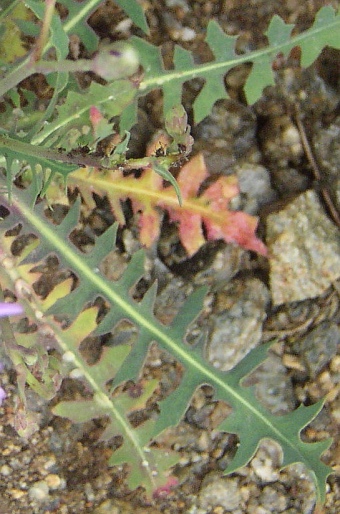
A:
(278, 32)
(246, 409)
(10, 32)
(324, 31)
(163, 172)
(58, 37)
(135, 12)
(74, 114)
(14, 149)
(76, 21)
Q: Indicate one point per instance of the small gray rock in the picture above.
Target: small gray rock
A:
(236, 322)
(304, 249)
(319, 346)
(254, 183)
(327, 144)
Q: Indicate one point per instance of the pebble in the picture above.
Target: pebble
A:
(236, 322)
(171, 299)
(281, 141)
(318, 347)
(335, 364)
(273, 500)
(39, 491)
(219, 266)
(107, 507)
(177, 3)
(88, 489)
(266, 462)
(326, 142)
(54, 481)
(227, 136)
(5, 470)
(17, 493)
(220, 492)
(327, 147)
(254, 182)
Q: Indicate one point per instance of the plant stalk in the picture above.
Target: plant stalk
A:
(43, 36)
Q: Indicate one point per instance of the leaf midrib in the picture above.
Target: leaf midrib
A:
(146, 195)
(214, 66)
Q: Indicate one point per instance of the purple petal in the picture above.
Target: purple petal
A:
(2, 395)
(10, 309)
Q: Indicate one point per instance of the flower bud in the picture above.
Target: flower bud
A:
(115, 61)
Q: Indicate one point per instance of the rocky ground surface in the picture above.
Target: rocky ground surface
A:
(293, 297)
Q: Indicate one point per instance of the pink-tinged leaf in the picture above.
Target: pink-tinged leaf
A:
(222, 191)
(149, 218)
(201, 217)
(164, 490)
(191, 176)
(149, 224)
(95, 117)
(239, 227)
(210, 210)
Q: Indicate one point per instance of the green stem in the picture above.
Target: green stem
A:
(19, 74)
(45, 67)
(68, 66)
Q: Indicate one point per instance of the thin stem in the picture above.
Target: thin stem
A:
(19, 74)
(46, 67)
(43, 36)
(84, 160)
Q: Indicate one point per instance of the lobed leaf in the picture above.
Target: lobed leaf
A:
(148, 464)
(76, 23)
(68, 127)
(148, 194)
(325, 31)
(138, 450)
(135, 13)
